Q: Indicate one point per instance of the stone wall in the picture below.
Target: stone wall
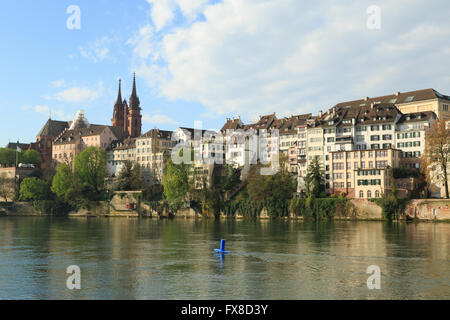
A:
(429, 209)
(365, 210)
(18, 209)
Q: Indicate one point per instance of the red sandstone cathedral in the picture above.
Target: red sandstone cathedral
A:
(128, 116)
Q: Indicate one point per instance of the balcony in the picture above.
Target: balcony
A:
(347, 139)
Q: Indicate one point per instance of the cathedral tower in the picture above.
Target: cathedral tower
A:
(128, 116)
(134, 113)
(118, 114)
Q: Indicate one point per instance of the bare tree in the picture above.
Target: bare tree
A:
(6, 188)
(437, 153)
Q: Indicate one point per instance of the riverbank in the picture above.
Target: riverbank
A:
(426, 210)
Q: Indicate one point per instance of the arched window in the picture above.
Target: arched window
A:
(361, 194)
(369, 194)
(377, 194)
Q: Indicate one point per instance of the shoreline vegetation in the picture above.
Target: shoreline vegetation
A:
(82, 188)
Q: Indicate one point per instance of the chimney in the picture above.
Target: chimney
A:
(320, 113)
(366, 98)
(397, 93)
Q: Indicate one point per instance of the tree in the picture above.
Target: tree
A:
(7, 157)
(31, 156)
(6, 188)
(62, 181)
(129, 177)
(90, 167)
(314, 180)
(33, 189)
(437, 153)
(176, 180)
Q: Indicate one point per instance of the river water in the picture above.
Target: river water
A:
(174, 259)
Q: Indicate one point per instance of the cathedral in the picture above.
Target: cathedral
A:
(128, 116)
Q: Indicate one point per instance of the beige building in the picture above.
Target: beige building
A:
(363, 173)
(152, 152)
(118, 154)
(410, 136)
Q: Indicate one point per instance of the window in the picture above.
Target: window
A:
(387, 127)
(377, 194)
(361, 194)
(375, 128)
(409, 99)
(445, 107)
(369, 194)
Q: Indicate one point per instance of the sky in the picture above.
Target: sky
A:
(208, 59)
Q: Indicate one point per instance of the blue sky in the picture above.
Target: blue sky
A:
(208, 60)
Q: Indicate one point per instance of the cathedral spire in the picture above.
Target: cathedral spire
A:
(134, 94)
(134, 99)
(119, 95)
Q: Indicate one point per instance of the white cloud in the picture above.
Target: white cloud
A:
(163, 11)
(97, 51)
(57, 83)
(157, 119)
(289, 56)
(78, 94)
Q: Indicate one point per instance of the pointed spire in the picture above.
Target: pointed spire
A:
(119, 95)
(134, 94)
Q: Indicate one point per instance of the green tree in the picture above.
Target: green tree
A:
(33, 189)
(314, 180)
(176, 180)
(31, 156)
(90, 168)
(63, 180)
(7, 157)
(129, 177)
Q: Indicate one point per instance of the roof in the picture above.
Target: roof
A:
(343, 116)
(232, 124)
(129, 143)
(397, 98)
(264, 122)
(417, 116)
(13, 145)
(53, 128)
(163, 134)
(290, 125)
(70, 136)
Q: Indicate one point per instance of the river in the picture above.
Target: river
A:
(173, 259)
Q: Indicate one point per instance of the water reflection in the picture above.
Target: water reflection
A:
(175, 259)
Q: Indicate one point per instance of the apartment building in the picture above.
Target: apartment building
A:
(153, 149)
(363, 173)
(80, 136)
(118, 153)
(410, 136)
